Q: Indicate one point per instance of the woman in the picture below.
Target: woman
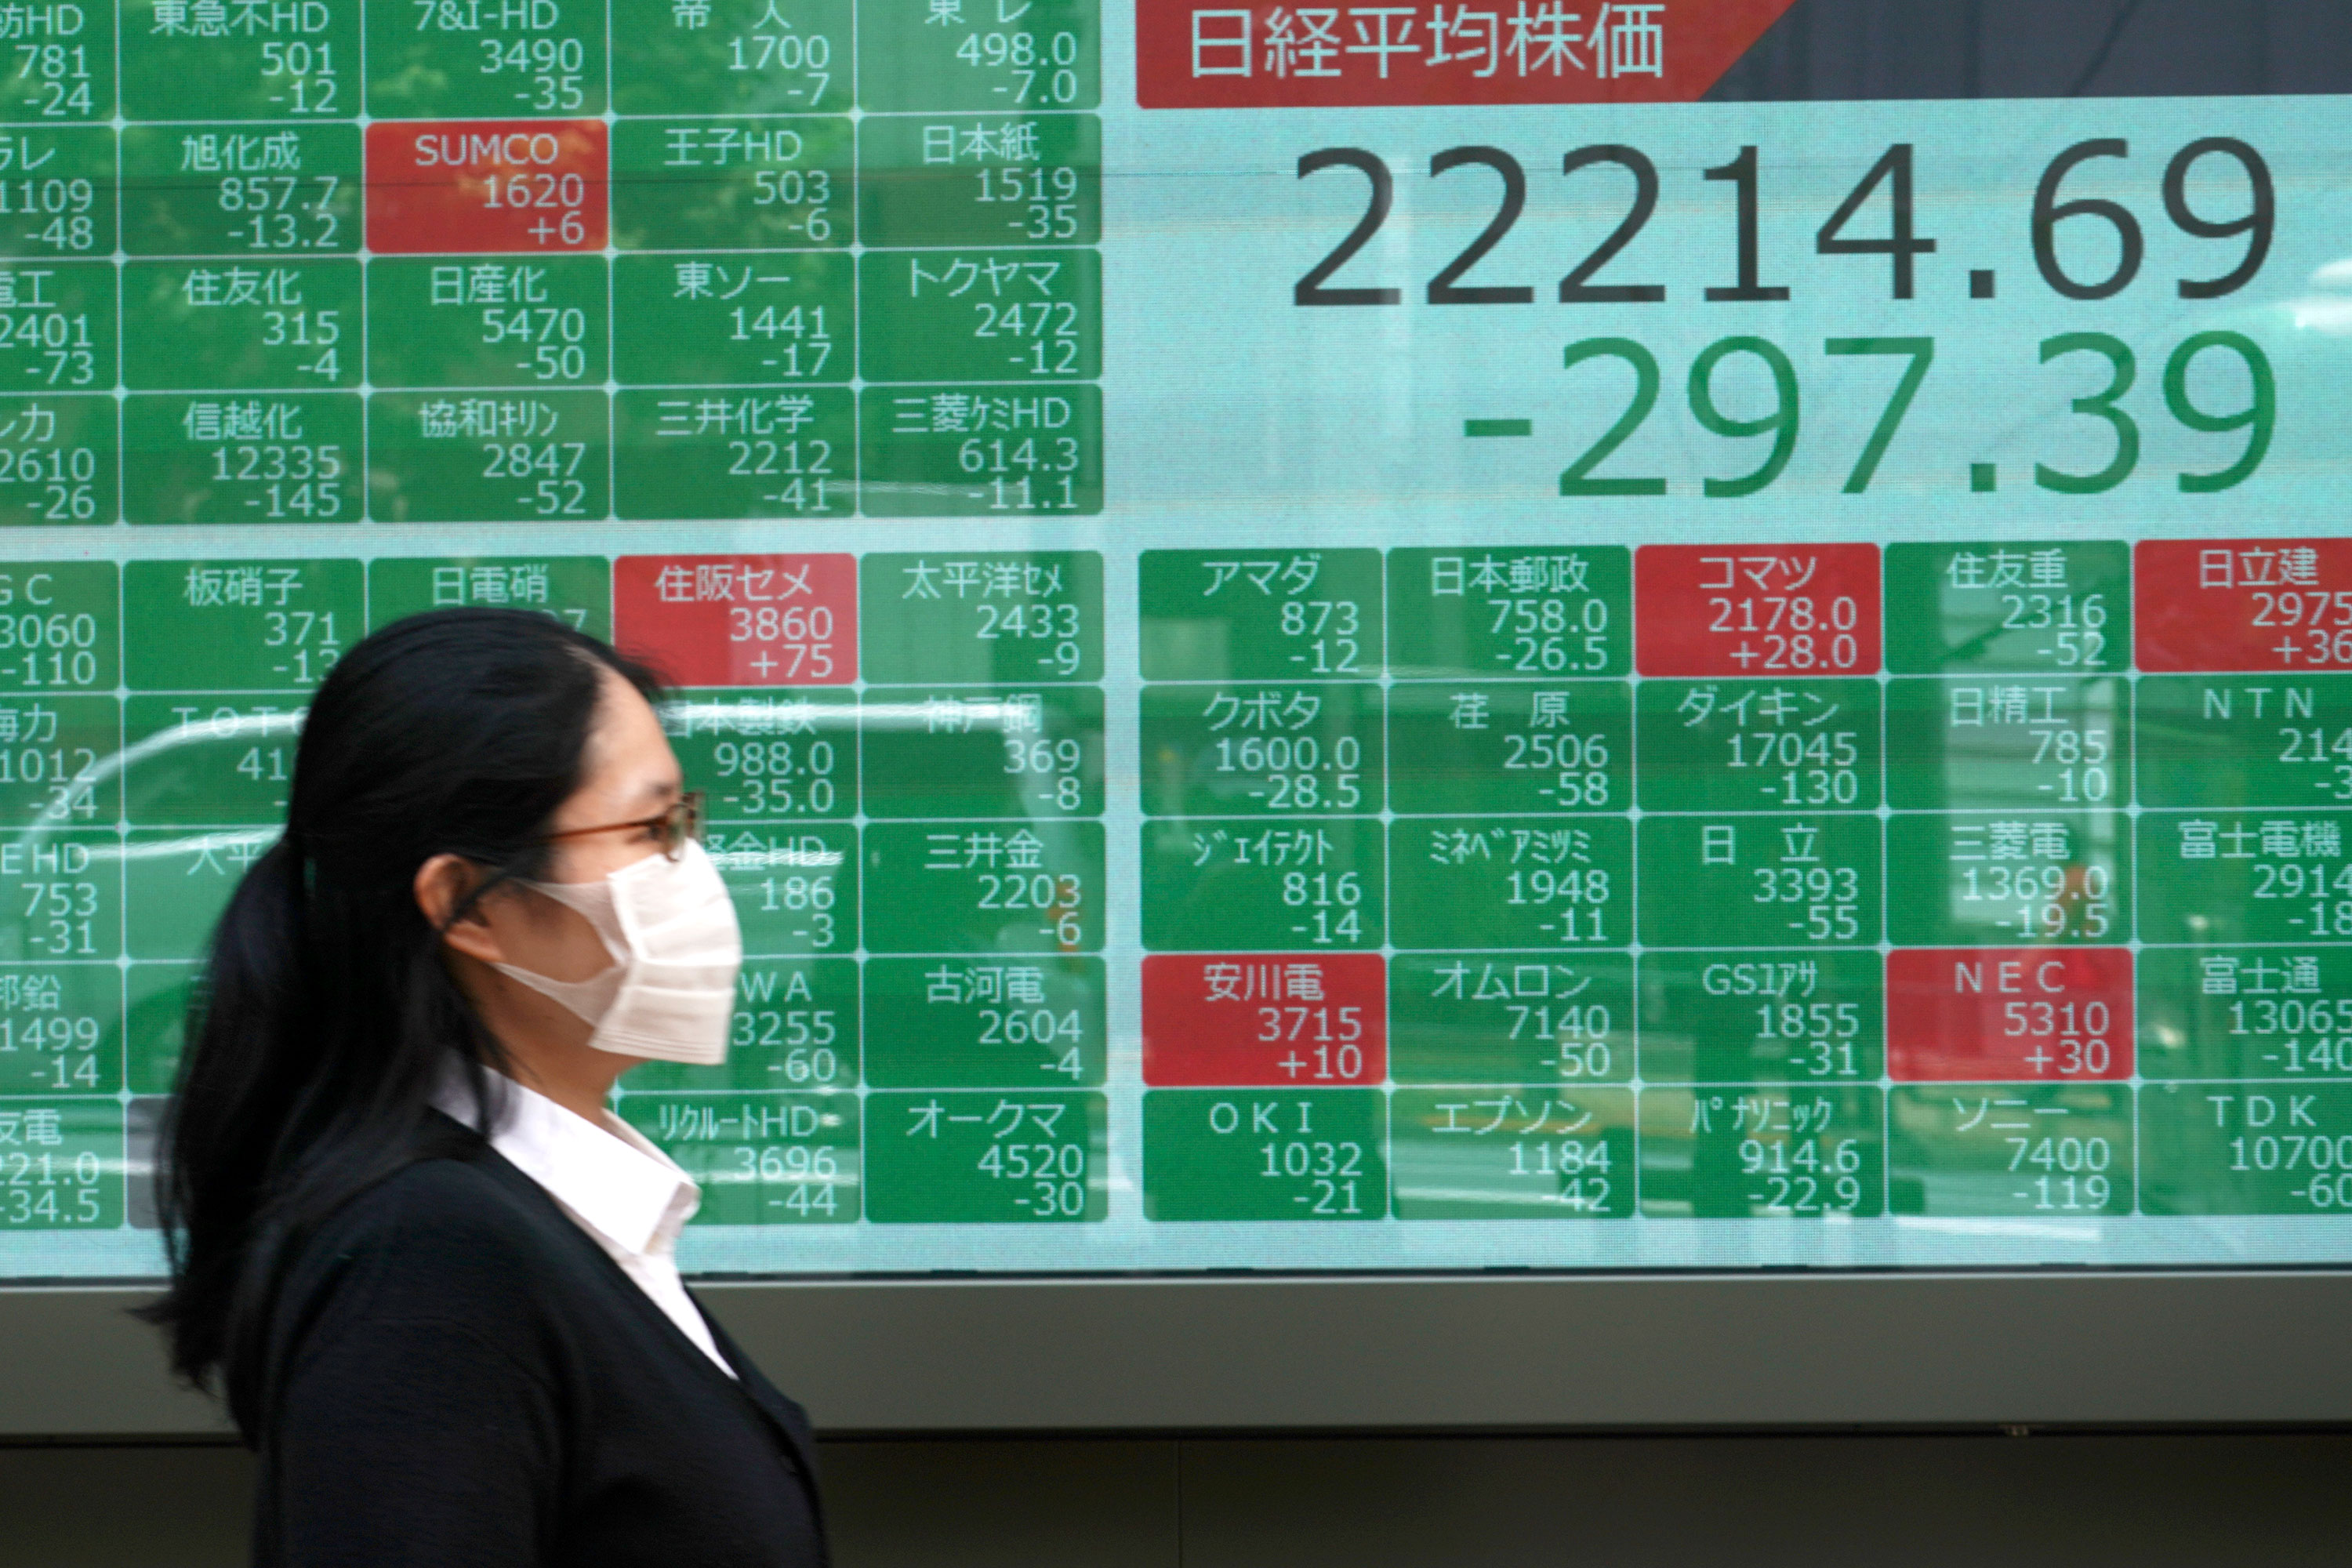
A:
(435, 1275)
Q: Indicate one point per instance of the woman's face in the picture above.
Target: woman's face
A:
(628, 774)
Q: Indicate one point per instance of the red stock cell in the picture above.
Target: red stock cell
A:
(1265, 1020)
(486, 185)
(1757, 610)
(2009, 1014)
(1217, 54)
(740, 620)
(2242, 605)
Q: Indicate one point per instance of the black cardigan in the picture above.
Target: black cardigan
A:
(460, 1375)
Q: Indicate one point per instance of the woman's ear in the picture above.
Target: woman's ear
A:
(443, 884)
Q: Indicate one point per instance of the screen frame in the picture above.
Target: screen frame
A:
(1455, 1352)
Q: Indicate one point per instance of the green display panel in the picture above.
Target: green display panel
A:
(769, 1159)
(1314, 638)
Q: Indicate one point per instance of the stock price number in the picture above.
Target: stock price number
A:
(2055, 221)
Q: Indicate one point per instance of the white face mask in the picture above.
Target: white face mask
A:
(670, 927)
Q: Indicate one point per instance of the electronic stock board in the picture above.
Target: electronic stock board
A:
(1389, 636)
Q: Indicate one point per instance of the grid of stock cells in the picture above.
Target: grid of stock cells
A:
(462, 260)
(1771, 882)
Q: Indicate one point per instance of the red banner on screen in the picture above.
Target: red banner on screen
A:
(1310, 1020)
(1201, 54)
(1761, 610)
(2243, 604)
(467, 186)
(740, 620)
(2009, 1014)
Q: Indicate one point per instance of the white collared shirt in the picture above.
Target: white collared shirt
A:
(628, 1195)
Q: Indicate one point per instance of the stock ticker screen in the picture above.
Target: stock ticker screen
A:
(1388, 637)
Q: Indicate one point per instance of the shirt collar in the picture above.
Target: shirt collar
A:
(606, 1174)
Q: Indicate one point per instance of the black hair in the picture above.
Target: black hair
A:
(326, 1018)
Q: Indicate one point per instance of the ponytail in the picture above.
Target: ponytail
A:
(325, 1020)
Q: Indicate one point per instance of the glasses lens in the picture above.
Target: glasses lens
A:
(685, 823)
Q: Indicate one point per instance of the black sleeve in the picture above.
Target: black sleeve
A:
(413, 1444)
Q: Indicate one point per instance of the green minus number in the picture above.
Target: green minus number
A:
(1477, 428)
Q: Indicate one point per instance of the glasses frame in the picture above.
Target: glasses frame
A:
(680, 824)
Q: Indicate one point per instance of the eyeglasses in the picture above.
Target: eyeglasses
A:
(673, 829)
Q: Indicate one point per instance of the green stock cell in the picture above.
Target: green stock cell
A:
(63, 69)
(175, 882)
(511, 456)
(988, 887)
(575, 589)
(462, 59)
(1513, 1152)
(2245, 1149)
(487, 323)
(1799, 1153)
(733, 57)
(276, 458)
(1024, 1157)
(973, 179)
(972, 617)
(61, 897)
(1274, 615)
(154, 1022)
(276, 60)
(981, 451)
(979, 55)
(980, 752)
(1763, 1017)
(795, 887)
(57, 761)
(1511, 746)
(238, 625)
(60, 1164)
(2042, 877)
(2275, 1013)
(55, 186)
(1758, 745)
(233, 326)
(732, 185)
(1270, 1154)
(1968, 1151)
(60, 1029)
(722, 320)
(60, 627)
(1996, 745)
(795, 1030)
(728, 454)
(1263, 750)
(760, 1159)
(1481, 614)
(201, 760)
(958, 1023)
(57, 460)
(980, 315)
(2219, 740)
(767, 756)
(1511, 1017)
(261, 193)
(2220, 878)
(1555, 883)
(1264, 887)
(1759, 881)
(56, 327)
(2009, 608)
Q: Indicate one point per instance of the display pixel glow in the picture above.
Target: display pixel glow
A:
(1465, 643)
